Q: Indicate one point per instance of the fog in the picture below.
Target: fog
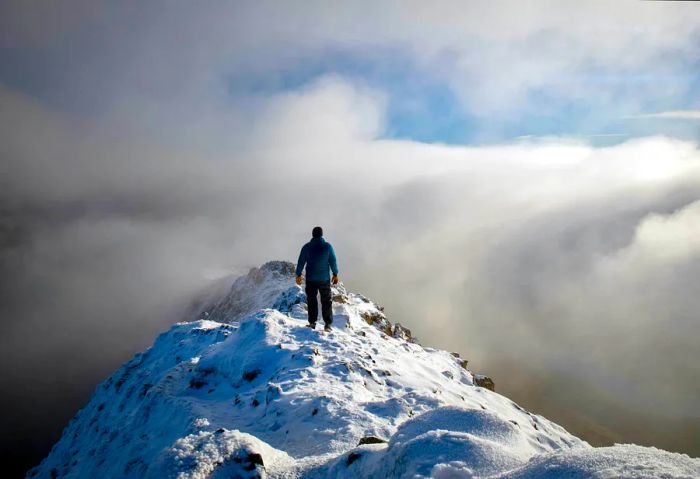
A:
(134, 174)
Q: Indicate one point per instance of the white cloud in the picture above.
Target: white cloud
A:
(671, 115)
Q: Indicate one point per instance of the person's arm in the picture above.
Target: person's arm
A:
(333, 262)
(300, 263)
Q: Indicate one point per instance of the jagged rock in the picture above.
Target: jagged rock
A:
(378, 320)
(402, 332)
(372, 317)
(484, 382)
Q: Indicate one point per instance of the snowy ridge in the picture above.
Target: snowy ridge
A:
(257, 394)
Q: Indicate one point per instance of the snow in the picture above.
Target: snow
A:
(246, 390)
(622, 461)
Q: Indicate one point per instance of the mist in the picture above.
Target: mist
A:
(146, 155)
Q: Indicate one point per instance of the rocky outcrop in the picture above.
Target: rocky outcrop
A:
(402, 332)
(484, 382)
(378, 320)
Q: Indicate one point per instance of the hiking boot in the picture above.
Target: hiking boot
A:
(311, 325)
(327, 327)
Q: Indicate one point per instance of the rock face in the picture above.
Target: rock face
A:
(257, 394)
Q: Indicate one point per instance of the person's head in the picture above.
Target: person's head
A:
(317, 232)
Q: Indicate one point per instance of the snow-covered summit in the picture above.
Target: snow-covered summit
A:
(271, 286)
(246, 390)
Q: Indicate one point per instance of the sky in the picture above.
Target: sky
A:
(516, 182)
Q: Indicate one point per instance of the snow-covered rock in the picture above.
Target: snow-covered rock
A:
(246, 390)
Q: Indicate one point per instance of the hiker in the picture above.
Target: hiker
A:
(318, 256)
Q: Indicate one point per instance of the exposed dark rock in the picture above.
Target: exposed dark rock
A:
(255, 459)
(371, 440)
(251, 375)
(196, 383)
(352, 457)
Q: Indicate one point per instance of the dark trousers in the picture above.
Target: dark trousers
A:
(323, 287)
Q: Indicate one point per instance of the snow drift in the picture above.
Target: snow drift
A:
(246, 390)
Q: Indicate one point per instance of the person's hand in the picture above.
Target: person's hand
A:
(298, 280)
(335, 279)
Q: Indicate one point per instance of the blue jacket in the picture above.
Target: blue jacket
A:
(318, 255)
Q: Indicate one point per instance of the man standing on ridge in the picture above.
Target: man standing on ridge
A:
(318, 256)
